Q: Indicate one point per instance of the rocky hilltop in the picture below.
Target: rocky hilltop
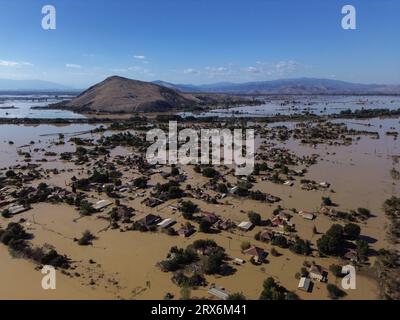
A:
(121, 95)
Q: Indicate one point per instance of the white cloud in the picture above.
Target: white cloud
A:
(134, 70)
(190, 71)
(140, 57)
(73, 66)
(280, 68)
(5, 63)
(253, 70)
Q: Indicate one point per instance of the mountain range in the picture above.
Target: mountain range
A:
(288, 86)
(32, 85)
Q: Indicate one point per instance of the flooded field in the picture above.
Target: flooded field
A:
(15, 106)
(319, 105)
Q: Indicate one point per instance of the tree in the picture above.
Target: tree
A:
(245, 245)
(362, 249)
(274, 252)
(185, 292)
(255, 218)
(326, 201)
(86, 239)
(352, 231)
(210, 172)
(236, 296)
(336, 270)
(365, 213)
(222, 188)
(334, 291)
(140, 182)
(214, 262)
(272, 290)
(301, 247)
(6, 213)
(174, 171)
(86, 208)
(205, 226)
(331, 243)
(279, 241)
(188, 207)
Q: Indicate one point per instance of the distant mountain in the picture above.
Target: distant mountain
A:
(178, 87)
(120, 95)
(31, 85)
(290, 86)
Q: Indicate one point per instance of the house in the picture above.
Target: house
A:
(285, 215)
(278, 222)
(101, 204)
(324, 184)
(245, 225)
(266, 235)
(226, 224)
(328, 211)
(304, 284)
(316, 272)
(233, 190)
(149, 220)
(210, 217)
(152, 202)
(238, 261)
(186, 231)
(351, 255)
(17, 209)
(218, 292)
(307, 215)
(258, 254)
(4, 202)
(166, 223)
(123, 212)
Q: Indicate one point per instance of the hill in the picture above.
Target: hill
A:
(121, 95)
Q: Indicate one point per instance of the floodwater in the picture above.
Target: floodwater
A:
(319, 105)
(15, 106)
(126, 262)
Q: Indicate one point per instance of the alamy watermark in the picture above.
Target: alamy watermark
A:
(49, 280)
(49, 18)
(189, 147)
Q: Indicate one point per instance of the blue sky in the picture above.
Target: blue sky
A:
(199, 41)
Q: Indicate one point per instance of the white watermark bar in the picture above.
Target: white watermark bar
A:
(190, 146)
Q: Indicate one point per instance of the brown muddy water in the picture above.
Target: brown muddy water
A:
(125, 262)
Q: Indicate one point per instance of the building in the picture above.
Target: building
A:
(218, 292)
(307, 215)
(186, 231)
(210, 217)
(285, 215)
(226, 224)
(316, 272)
(266, 235)
(245, 225)
(17, 209)
(123, 212)
(304, 284)
(278, 222)
(166, 223)
(149, 220)
(258, 254)
(99, 205)
(351, 255)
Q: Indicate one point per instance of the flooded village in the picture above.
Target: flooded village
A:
(79, 195)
